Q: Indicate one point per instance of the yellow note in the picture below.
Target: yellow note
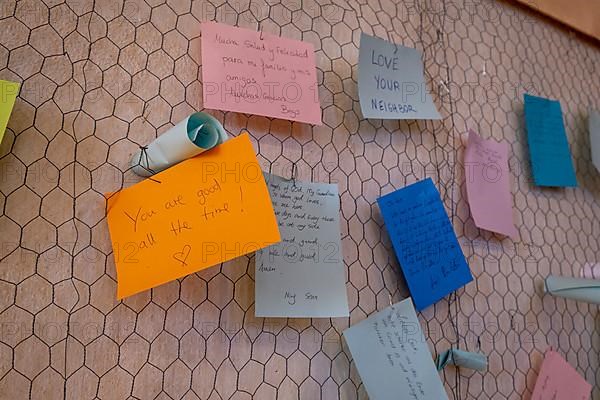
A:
(201, 212)
(8, 95)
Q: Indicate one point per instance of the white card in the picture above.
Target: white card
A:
(304, 275)
(392, 357)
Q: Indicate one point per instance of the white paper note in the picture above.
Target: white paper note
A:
(392, 357)
(391, 84)
(303, 275)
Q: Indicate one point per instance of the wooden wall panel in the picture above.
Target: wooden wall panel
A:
(582, 15)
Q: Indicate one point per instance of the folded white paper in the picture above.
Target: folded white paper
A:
(304, 275)
(195, 134)
(587, 290)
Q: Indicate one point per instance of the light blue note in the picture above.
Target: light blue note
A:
(424, 242)
(392, 357)
(548, 147)
(391, 84)
(304, 275)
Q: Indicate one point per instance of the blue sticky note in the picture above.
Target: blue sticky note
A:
(548, 147)
(424, 242)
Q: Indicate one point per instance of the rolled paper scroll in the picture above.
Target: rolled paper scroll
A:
(587, 290)
(195, 134)
(464, 359)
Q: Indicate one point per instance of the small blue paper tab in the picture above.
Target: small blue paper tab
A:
(551, 161)
(425, 243)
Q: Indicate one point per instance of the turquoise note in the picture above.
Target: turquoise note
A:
(551, 161)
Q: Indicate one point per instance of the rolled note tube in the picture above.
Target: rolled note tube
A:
(587, 290)
(464, 359)
(195, 134)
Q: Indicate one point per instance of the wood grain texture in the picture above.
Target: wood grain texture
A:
(581, 15)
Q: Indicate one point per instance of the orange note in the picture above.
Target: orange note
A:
(204, 211)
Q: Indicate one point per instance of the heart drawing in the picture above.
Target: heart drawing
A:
(183, 255)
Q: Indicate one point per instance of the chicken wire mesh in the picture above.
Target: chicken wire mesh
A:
(100, 78)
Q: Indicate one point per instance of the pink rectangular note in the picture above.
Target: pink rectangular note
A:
(557, 380)
(259, 73)
(488, 186)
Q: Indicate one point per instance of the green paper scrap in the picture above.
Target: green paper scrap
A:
(461, 358)
(8, 95)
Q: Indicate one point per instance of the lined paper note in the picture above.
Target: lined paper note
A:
(392, 357)
(424, 242)
(557, 380)
(488, 187)
(303, 275)
(259, 73)
(548, 147)
(196, 214)
(391, 83)
(594, 126)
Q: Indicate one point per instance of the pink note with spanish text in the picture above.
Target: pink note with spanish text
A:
(258, 73)
(488, 185)
(557, 380)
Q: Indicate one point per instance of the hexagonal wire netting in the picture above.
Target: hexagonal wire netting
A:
(103, 77)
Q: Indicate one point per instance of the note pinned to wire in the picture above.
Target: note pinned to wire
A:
(8, 95)
(558, 380)
(488, 185)
(392, 356)
(548, 146)
(259, 73)
(424, 242)
(196, 134)
(303, 276)
(201, 212)
(391, 84)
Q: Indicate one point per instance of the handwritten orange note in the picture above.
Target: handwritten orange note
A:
(199, 213)
(259, 73)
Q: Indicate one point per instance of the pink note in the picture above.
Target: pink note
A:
(263, 74)
(488, 189)
(557, 380)
(590, 271)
